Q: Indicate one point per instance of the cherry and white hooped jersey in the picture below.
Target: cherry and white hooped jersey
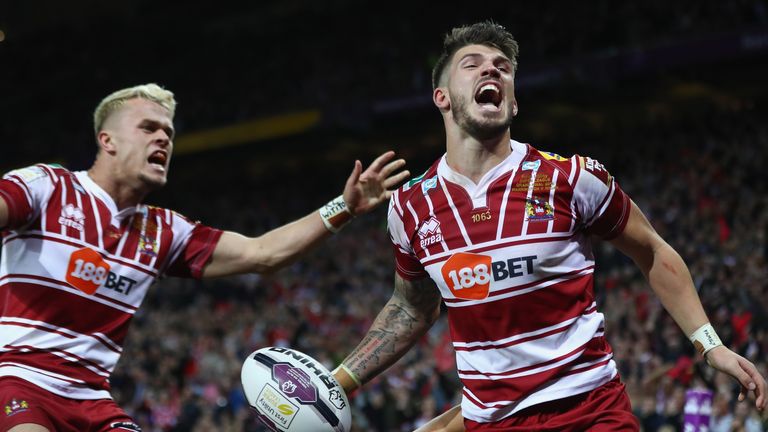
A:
(75, 270)
(512, 258)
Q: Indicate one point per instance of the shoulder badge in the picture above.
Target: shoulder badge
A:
(414, 181)
(28, 174)
(552, 156)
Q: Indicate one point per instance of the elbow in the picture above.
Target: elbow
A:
(258, 259)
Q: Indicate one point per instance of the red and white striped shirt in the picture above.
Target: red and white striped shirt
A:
(74, 271)
(512, 258)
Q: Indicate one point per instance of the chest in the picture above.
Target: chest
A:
(141, 236)
(80, 245)
(515, 207)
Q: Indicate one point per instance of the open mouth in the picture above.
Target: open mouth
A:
(158, 159)
(489, 96)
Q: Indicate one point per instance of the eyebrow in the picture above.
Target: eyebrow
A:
(158, 125)
(498, 56)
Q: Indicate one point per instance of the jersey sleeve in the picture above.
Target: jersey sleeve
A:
(192, 247)
(406, 263)
(603, 206)
(25, 192)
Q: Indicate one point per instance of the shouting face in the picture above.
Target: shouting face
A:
(138, 136)
(480, 91)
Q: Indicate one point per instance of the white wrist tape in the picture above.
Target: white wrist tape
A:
(705, 339)
(351, 374)
(335, 214)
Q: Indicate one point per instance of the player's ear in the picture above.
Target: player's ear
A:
(105, 142)
(441, 98)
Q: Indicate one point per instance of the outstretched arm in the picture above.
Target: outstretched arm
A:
(413, 308)
(671, 281)
(363, 191)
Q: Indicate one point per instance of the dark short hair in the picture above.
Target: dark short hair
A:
(486, 33)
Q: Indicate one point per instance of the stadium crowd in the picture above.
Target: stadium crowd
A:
(698, 180)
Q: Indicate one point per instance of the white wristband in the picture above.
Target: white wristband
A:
(335, 214)
(705, 339)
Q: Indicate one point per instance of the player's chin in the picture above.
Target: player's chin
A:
(485, 128)
(154, 180)
(492, 118)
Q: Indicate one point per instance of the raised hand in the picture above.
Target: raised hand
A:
(741, 369)
(367, 189)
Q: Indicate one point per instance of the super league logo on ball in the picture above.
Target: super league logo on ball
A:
(294, 382)
(309, 363)
(289, 387)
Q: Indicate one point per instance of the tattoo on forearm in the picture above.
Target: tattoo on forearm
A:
(405, 318)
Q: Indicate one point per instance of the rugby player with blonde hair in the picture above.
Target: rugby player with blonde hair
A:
(80, 250)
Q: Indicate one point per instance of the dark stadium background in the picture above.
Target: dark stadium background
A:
(277, 99)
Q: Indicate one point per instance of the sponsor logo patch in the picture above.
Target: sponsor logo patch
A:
(467, 275)
(72, 217)
(531, 165)
(274, 406)
(597, 169)
(430, 233)
(87, 271)
(430, 183)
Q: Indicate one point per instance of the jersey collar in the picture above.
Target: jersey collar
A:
(118, 216)
(519, 151)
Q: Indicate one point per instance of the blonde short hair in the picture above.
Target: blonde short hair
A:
(111, 103)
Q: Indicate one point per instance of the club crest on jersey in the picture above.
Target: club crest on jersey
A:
(72, 217)
(148, 236)
(430, 233)
(16, 407)
(538, 209)
(430, 183)
(148, 246)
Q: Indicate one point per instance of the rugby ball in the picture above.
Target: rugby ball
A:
(292, 392)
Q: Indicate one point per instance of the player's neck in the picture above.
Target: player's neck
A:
(473, 158)
(122, 193)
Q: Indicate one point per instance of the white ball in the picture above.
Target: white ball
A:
(292, 392)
